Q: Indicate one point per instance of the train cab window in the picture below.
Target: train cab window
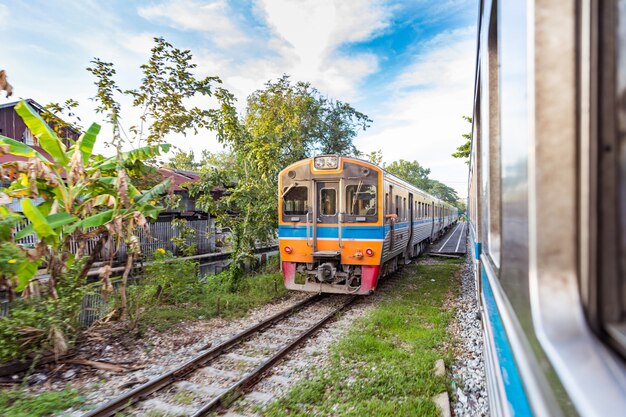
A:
(361, 200)
(295, 200)
(328, 202)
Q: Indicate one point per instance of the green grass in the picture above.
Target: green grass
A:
(214, 298)
(18, 403)
(384, 367)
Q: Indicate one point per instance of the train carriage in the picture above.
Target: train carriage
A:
(548, 205)
(344, 223)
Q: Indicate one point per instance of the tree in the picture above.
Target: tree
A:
(417, 175)
(464, 150)
(184, 161)
(291, 122)
(375, 157)
(411, 172)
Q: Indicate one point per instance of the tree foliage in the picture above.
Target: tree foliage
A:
(162, 97)
(417, 175)
(184, 161)
(464, 150)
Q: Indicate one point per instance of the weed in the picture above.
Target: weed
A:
(214, 296)
(18, 403)
(184, 397)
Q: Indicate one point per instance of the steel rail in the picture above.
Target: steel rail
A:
(238, 389)
(141, 392)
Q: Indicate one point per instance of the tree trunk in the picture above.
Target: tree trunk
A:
(123, 301)
(92, 258)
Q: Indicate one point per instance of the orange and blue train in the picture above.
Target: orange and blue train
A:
(344, 223)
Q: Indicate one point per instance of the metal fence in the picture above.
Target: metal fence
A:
(160, 236)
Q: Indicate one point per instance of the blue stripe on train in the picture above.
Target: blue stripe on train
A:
(351, 231)
(515, 393)
(354, 232)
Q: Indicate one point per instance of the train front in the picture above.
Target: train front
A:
(330, 225)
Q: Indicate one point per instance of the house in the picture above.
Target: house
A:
(187, 207)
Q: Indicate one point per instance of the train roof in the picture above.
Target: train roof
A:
(378, 168)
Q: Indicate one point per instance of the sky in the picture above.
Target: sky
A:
(408, 65)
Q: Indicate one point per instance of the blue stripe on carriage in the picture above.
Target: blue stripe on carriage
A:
(515, 393)
(347, 232)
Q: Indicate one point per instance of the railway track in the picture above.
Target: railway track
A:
(221, 374)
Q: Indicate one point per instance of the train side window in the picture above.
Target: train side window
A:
(398, 205)
(387, 209)
(295, 201)
(361, 200)
(328, 201)
(605, 292)
(404, 210)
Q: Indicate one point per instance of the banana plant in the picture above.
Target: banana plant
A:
(73, 195)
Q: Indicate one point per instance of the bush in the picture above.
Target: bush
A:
(172, 280)
(38, 324)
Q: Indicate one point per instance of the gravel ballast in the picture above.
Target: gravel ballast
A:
(468, 369)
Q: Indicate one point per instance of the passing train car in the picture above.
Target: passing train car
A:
(344, 223)
(547, 205)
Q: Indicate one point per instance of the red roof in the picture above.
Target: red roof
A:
(179, 177)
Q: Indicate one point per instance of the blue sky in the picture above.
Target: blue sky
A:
(409, 65)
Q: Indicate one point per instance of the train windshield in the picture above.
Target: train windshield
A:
(361, 200)
(295, 200)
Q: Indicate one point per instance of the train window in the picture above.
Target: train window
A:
(328, 201)
(398, 205)
(404, 210)
(295, 200)
(361, 200)
(606, 292)
(387, 208)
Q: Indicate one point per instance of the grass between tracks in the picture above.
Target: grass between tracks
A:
(384, 367)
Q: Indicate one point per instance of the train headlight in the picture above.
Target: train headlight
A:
(326, 162)
(369, 252)
(288, 249)
(358, 254)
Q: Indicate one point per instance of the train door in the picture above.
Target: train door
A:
(391, 219)
(432, 220)
(411, 232)
(327, 206)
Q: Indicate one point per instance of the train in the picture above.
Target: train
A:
(344, 223)
(547, 205)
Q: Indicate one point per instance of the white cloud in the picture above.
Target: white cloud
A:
(422, 120)
(312, 30)
(211, 17)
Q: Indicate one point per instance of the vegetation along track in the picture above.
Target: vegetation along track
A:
(219, 375)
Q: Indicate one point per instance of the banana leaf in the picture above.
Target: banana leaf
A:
(25, 272)
(155, 192)
(145, 152)
(13, 147)
(87, 140)
(37, 219)
(48, 140)
(54, 220)
(92, 221)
